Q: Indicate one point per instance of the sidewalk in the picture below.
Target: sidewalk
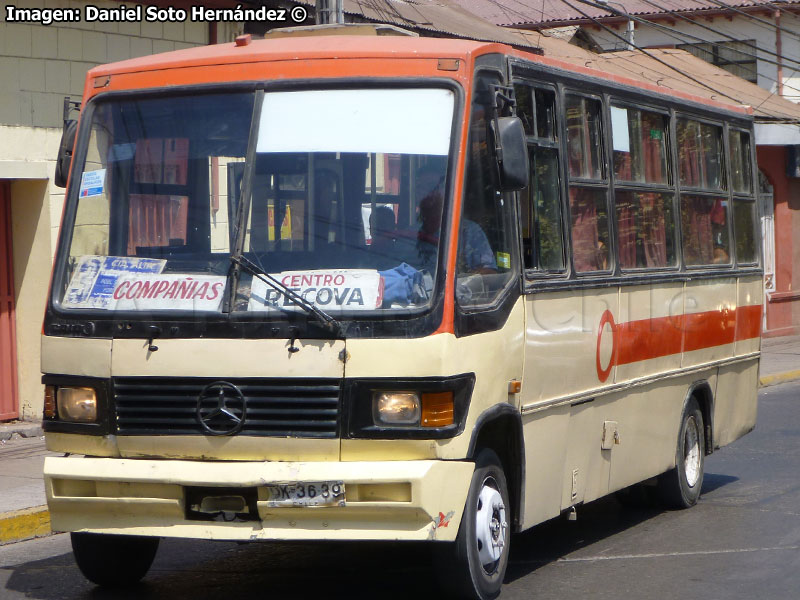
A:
(23, 510)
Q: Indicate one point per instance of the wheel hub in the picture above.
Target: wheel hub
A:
(691, 452)
(491, 525)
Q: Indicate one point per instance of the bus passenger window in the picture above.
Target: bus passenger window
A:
(704, 223)
(645, 230)
(540, 203)
(744, 230)
(700, 155)
(741, 176)
(640, 145)
(744, 208)
(588, 205)
(589, 229)
(584, 143)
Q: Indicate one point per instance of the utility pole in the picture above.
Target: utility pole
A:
(329, 11)
(629, 33)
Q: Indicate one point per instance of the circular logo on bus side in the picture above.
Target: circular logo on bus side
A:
(221, 408)
(606, 319)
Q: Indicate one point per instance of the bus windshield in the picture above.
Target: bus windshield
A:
(337, 194)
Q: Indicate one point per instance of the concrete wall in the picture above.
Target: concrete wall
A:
(39, 65)
(30, 220)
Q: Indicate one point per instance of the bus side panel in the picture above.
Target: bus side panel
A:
(649, 330)
(749, 314)
(545, 452)
(561, 343)
(569, 345)
(735, 403)
(648, 420)
(587, 467)
(709, 320)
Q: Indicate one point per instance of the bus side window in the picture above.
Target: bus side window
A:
(744, 204)
(704, 213)
(588, 192)
(542, 219)
(645, 220)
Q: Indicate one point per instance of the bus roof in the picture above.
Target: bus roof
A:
(362, 46)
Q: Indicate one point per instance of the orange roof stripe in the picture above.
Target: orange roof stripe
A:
(358, 47)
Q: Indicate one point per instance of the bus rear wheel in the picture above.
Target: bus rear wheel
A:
(680, 487)
(113, 560)
(475, 565)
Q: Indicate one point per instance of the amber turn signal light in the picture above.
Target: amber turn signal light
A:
(50, 402)
(437, 409)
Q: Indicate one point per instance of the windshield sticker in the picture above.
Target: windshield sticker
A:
(92, 183)
(331, 290)
(96, 277)
(169, 292)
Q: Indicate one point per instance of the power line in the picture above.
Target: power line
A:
(764, 22)
(666, 64)
(678, 15)
(526, 18)
(677, 36)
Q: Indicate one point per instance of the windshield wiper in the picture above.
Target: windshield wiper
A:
(327, 321)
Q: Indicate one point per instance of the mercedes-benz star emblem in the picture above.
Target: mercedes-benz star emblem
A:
(221, 408)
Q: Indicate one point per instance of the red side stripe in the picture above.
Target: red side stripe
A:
(649, 338)
(653, 338)
(748, 322)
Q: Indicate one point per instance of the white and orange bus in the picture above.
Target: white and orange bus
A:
(390, 288)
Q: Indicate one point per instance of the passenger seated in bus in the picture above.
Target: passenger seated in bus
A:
(721, 256)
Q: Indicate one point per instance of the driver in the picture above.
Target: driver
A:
(475, 253)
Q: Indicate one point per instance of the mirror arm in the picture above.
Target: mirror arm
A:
(69, 106)
(504, 105)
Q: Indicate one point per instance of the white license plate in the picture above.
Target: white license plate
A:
(307, 493)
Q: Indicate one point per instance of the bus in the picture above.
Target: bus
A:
(390, 288)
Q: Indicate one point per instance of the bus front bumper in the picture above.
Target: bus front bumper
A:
(384, 500)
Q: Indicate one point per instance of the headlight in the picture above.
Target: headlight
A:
(412, 408)
(396, 408)
(77, 404)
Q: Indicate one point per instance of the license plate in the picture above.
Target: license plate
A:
(318, 493)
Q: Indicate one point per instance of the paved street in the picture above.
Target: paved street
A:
(742, 541)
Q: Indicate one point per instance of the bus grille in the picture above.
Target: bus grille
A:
(275, 407)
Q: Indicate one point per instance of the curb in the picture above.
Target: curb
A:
(20, 429)
(777, 378)
(18, 525)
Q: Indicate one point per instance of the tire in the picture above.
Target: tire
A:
(475, 565)
(680, 487)
(113, 560)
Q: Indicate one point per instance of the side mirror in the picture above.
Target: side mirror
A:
(512, 153)
(64, 159)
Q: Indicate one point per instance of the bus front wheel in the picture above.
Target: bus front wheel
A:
(476, 563)
(113, 560)
(680, 487)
